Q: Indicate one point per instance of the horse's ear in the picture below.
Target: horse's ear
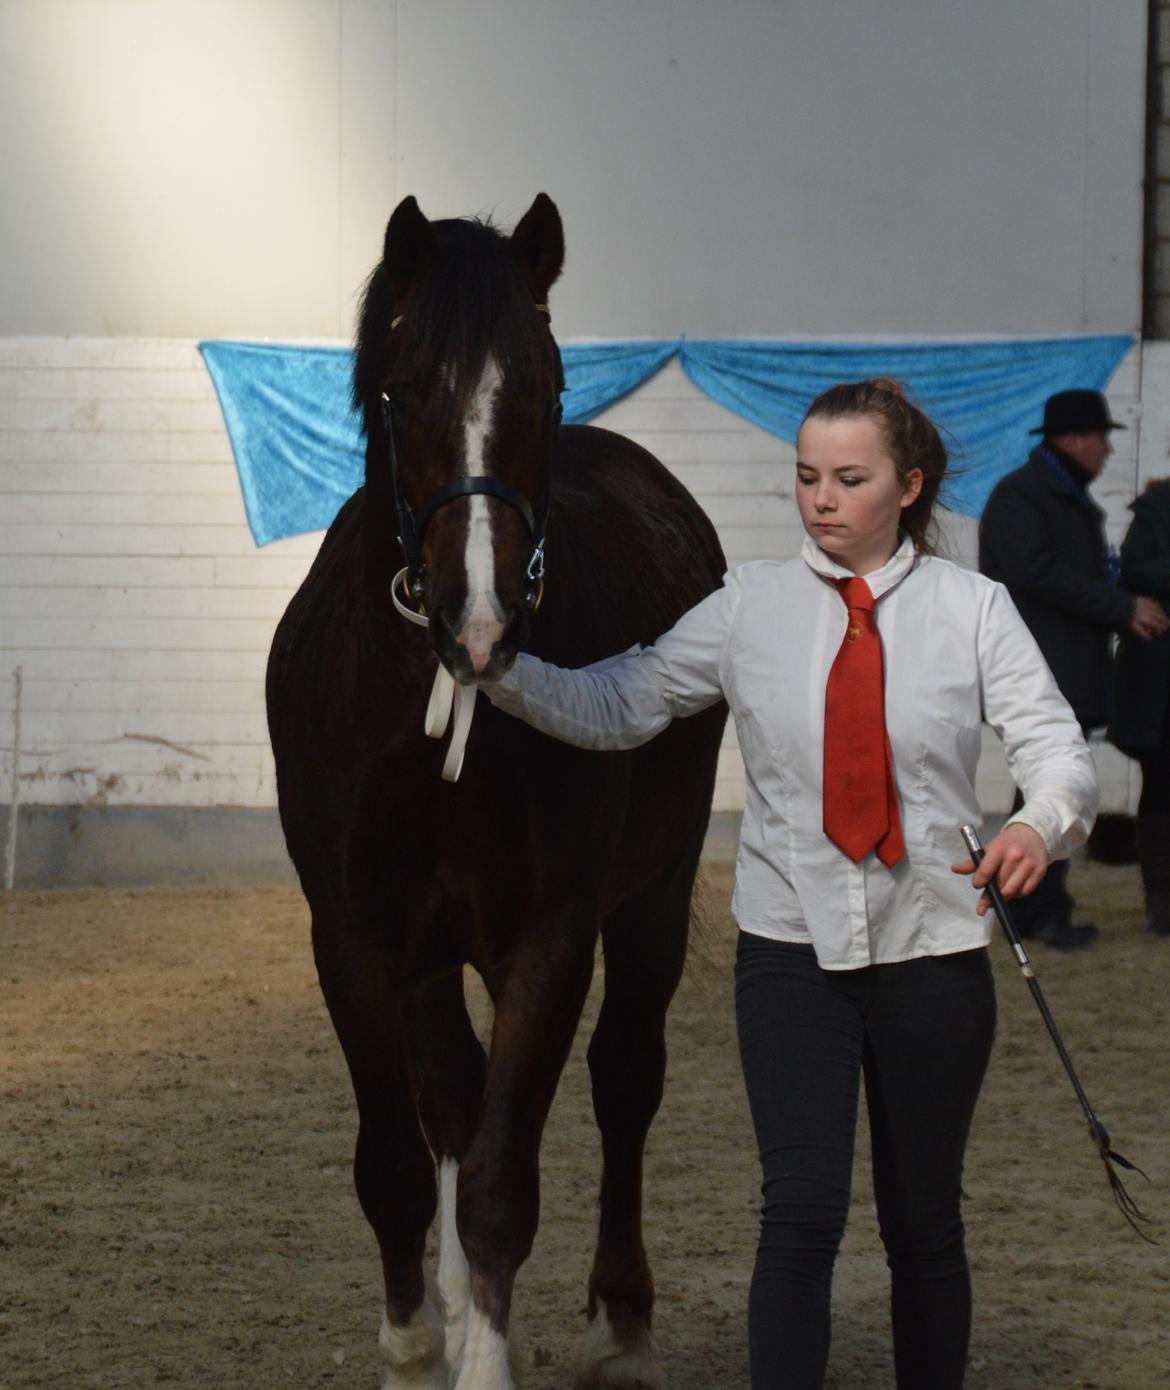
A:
(538, 243)
(406, 252)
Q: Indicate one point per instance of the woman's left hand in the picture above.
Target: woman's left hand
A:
(1016, 859)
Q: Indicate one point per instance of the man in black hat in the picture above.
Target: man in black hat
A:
(1043, 536)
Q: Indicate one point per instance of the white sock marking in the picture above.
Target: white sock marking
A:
(605, 1362)
(411, 1352)
(485, 1360)
(453, 1280)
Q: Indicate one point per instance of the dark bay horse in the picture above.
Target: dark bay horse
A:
(518, 866)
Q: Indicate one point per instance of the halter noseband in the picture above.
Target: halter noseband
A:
(411, 529)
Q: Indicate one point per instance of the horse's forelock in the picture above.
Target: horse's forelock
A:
(472, 304)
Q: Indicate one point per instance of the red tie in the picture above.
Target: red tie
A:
(861, 801)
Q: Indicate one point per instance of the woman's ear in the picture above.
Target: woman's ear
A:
(912, 486)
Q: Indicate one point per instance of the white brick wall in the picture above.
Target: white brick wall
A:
(132, 596)
(140, 611)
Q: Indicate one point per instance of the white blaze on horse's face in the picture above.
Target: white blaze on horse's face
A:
(481, 624)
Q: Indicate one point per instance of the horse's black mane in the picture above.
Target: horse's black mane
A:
(472, 299)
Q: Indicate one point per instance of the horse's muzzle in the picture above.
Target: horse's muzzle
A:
(479, 650)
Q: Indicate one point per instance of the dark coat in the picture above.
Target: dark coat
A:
(1044, 538)
(1141, 680)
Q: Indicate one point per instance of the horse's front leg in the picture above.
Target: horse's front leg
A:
(645, 947)
(450, 1067)
(393, 1170)
(538, 1004)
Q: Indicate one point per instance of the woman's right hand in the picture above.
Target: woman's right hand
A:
(1149, 618)
(1017, 859)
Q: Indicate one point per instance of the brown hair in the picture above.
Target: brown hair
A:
(912, 439)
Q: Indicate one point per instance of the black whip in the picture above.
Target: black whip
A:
(1108, 1155)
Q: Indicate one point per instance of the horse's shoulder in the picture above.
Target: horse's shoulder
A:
(593, 434)
(595, 450)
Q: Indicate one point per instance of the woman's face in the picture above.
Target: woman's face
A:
(848, 490)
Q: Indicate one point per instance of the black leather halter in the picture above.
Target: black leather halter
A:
(412, 528)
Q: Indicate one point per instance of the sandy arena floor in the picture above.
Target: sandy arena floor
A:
(175, 1198)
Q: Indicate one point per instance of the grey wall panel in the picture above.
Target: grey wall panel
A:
(796, 168)
(226, 167)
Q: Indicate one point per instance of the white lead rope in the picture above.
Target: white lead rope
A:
(445, 693)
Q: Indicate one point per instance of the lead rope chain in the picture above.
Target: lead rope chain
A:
(445, 693)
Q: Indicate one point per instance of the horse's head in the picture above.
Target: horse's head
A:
(459, 378)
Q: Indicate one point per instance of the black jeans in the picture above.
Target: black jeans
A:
(1155, 763)
(1155, 796)
(921, 1031)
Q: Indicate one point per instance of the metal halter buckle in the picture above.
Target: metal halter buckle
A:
(535, 568)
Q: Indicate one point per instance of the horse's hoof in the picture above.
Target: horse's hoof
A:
(630, 1371)
(611, 1363)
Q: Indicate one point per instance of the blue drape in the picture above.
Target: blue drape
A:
(298, 442)
(985, 395)
(598, 374)
(298, 447)
(295, 436)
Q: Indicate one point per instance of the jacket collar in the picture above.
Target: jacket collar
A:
(1067, 473)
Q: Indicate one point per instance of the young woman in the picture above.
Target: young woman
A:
(862, 950)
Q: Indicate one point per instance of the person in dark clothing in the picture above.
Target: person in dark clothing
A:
(1043, 537)
(1140, 726)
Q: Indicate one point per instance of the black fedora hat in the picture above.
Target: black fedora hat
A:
(1076, 412)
